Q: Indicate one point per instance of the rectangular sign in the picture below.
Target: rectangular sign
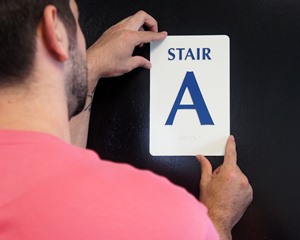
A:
(189, 95)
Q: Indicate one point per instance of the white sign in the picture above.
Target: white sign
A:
(189, 96)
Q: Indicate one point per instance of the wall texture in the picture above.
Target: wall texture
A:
(265, 101)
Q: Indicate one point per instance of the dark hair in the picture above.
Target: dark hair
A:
(19, 20)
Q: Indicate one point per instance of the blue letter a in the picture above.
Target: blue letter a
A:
(196, 95)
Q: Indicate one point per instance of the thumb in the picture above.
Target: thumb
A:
(206, 169)
(138, 61)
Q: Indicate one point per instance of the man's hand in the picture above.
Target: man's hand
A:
(111, 55)
(226, 192)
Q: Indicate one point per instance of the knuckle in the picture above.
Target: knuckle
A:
(231, 153)
(118, 28)
(202, 184)
(231, 175)
(250, 193)
(141, 12)
(128, 35)
(128, 67)
(244, 182)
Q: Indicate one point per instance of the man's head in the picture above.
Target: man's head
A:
(19, 21)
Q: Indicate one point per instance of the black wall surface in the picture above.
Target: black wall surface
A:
(265, 101)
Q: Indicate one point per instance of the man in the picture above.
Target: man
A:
(53, 190)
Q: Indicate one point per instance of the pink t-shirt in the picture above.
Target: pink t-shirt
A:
(52, 190)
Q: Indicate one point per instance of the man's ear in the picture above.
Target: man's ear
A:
(54, 34)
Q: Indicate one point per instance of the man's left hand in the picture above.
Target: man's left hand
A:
(111, 54)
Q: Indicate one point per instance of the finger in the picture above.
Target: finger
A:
(146, 37)
(206, 169)
(141, 29)
(230, 157)
(141, 18)
(138, 61)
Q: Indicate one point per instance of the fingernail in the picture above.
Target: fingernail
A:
(198, 157)
(232, 137)
(148, 66)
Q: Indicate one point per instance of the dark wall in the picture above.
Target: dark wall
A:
(265, 101)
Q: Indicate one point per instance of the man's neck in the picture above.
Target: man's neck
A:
(35, 109)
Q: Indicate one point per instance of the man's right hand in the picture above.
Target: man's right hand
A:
(226, 192)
